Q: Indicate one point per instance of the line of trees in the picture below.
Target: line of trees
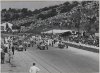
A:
(14, 14)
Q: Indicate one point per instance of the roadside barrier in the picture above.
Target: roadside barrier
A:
(83, 46)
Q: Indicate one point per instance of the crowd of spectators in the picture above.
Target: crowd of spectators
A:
(87, 40)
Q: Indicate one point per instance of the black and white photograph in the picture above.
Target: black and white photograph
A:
(49, 36)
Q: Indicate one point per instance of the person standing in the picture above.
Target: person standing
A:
(10, 55)
(34, 69)
(13, 49)
(32, 43)
(2, 57)
(6, 48)
(11, 58)
(52, 42)
(25, 45)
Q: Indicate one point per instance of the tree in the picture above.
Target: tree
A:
(76, 17)
(45, 8)
(52, 13)
(65, 7)
(29, 13)
(15, 16)
(4, 10)
(74, 3)
(24, 12)
(66, 3)
(36, 11)
(7, 17)
(41, 16)
(12, 10)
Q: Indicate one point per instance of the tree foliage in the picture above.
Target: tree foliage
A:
(82, 15)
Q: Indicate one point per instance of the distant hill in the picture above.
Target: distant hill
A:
(76, 15)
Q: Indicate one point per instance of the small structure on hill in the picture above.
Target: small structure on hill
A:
(6, 27)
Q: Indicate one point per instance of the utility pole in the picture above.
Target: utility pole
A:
(52, 29)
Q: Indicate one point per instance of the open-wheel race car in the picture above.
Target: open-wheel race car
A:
(20, 48)
(42, 46)
(62, 45)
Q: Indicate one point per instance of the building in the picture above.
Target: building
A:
(56, 31)
(5, 26)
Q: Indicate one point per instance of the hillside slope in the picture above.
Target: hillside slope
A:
(76, 15)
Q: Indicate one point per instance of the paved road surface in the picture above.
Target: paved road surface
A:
(56, 60)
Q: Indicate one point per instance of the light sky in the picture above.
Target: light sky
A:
(31, 5)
